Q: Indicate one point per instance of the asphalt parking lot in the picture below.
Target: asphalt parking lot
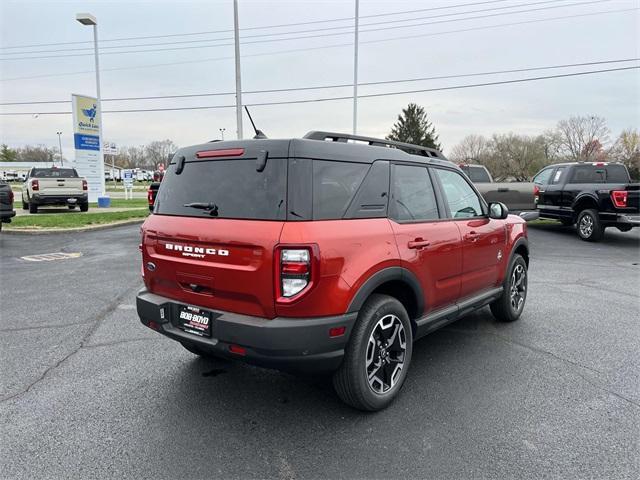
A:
(87, 391)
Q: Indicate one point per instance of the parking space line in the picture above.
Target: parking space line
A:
(47, 257)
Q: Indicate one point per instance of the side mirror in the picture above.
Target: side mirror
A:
(498, 211)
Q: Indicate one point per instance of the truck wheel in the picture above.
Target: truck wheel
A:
(510, 305)
(33, 208)
(84, 207)
(589, 227)
(377, 356)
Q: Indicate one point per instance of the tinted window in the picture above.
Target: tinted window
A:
(462, 200)
(233, 186)
(476, 174)
(334, 184)
(558, 175)
(599, 174)
(413, 196)
(542, 178)
(54, 173)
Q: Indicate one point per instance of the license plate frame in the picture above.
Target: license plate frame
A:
(194, 320)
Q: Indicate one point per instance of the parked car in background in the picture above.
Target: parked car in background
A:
(54, 186)
(320, 255)
(6, 203)
(594, 196)
(517, 196)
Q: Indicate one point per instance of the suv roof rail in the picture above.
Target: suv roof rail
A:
(377, 142)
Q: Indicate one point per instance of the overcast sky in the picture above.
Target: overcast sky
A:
(529, 108)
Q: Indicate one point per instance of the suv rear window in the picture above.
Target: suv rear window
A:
(599, 174)
(476, 174)
(54, 173)
(233, 186)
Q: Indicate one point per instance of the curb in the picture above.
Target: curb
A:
(90, 228)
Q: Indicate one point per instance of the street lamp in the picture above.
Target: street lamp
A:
(60, 145)
(88, 19)
(222, 130)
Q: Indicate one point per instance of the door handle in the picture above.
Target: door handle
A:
(418, 243)
(471, 236)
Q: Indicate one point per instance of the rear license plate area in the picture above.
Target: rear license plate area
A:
(194, 320)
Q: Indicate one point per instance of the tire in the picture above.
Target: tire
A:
(379, 321)
(33, 208)
(25, 205)
(589, 227)
(510, 305)
(84, 207)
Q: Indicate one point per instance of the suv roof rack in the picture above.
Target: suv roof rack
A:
(377, 142)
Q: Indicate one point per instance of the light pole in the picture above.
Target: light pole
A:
(222, 130)
(236, 36)
(60, 145)
(88, 19)
(355, 70)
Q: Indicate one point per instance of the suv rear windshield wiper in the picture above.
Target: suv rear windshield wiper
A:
(211, 207)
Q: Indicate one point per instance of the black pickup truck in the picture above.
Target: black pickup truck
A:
(593, 196)
(6, 203)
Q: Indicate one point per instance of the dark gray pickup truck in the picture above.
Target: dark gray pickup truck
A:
(6, 203)
(517, 196)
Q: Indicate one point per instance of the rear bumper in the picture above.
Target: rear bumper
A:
(7, 215)
(289, 344)
(630, 219)
(58, 199)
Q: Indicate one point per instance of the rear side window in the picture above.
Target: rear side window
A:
(599, 174)
(54, 173)
(476, 174)
(413, 197)
(225, 189)
(462, 200)
(543, 177)
(334, 184)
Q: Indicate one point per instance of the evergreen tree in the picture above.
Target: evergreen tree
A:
(413, 126)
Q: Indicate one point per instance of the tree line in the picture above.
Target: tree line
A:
(512, 156)
(508, 156)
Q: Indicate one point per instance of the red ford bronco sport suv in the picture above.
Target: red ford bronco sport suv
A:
(331, 253)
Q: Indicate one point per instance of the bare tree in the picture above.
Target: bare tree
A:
(471, 149)
(582, 138)
(158, 151)
(516, 157)
(36, 153)
(626, 150)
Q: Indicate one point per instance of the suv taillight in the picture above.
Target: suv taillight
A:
(85, 185)
(150, 196)
(35, 185)
(536, 193)
(619, 198)
(295, 271)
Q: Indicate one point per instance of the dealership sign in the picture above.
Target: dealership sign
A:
(86, 136)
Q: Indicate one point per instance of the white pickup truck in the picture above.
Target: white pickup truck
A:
(54, 186)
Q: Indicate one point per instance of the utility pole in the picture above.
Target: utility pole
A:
(355, 71)
(60, 145)
(236, 35)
